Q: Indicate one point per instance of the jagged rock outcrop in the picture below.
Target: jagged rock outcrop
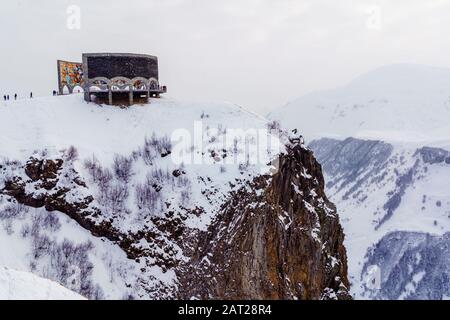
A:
(51, 184)
(42, 188)
(277, 238)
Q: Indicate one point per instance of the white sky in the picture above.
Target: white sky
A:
(257, 53)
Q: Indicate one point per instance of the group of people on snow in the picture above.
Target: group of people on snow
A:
(6, 96)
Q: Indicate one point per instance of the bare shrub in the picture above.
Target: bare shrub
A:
(93, 167)
(149, 151)
(71, 154)
(25, 231)
(7, 225)
(162, 145)
(122, 168)
(135, 155)
(161, 177)
(146, 195)
(104, 178)
(183, 182)
(244, 166)
(41, 245)
(35, 226)
(13, 210)
(185, 195)
(70, 265)
(116, 196)
(51, 222)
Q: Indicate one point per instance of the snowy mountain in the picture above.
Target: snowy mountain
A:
(164, 200)
(19, 285)
(384, 144)
(397, 102)
(391, 196)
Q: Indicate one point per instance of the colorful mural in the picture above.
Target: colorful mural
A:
(70, 74)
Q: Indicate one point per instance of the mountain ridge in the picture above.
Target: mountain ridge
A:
(406, 103)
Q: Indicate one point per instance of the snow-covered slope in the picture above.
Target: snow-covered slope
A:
(19, 285)
(165, 200)
(152, 202)
(54, 123)
(396, 102)
(389, 193)
(62, 154)
(384, 143)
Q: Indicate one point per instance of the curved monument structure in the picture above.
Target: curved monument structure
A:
(115, 76)
(112, 78)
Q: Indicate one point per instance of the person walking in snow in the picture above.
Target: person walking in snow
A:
(31, 95)
(7, 97)
(4, 97)
(15, 96)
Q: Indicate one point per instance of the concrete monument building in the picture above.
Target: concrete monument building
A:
(114, 78)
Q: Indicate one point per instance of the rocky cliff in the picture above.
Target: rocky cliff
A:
(277, 237)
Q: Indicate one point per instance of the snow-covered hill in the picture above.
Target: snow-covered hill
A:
(19, 285)
(384, 143)
(126, 203)
(122, 158)
(395, 103)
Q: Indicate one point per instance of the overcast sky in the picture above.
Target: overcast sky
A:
(257, 53)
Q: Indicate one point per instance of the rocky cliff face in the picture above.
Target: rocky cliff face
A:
(277, 237)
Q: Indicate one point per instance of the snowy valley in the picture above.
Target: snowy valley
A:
(384, 144)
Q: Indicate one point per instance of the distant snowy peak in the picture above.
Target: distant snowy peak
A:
(19, 285)
(404, 79)
(396, 102)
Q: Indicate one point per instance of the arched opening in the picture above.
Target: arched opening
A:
(140, 90)
(121, 91)
(154, 85)
(66, 90)
(78, 89)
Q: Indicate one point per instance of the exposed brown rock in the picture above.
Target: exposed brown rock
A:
(277, 237)
(266, 244)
